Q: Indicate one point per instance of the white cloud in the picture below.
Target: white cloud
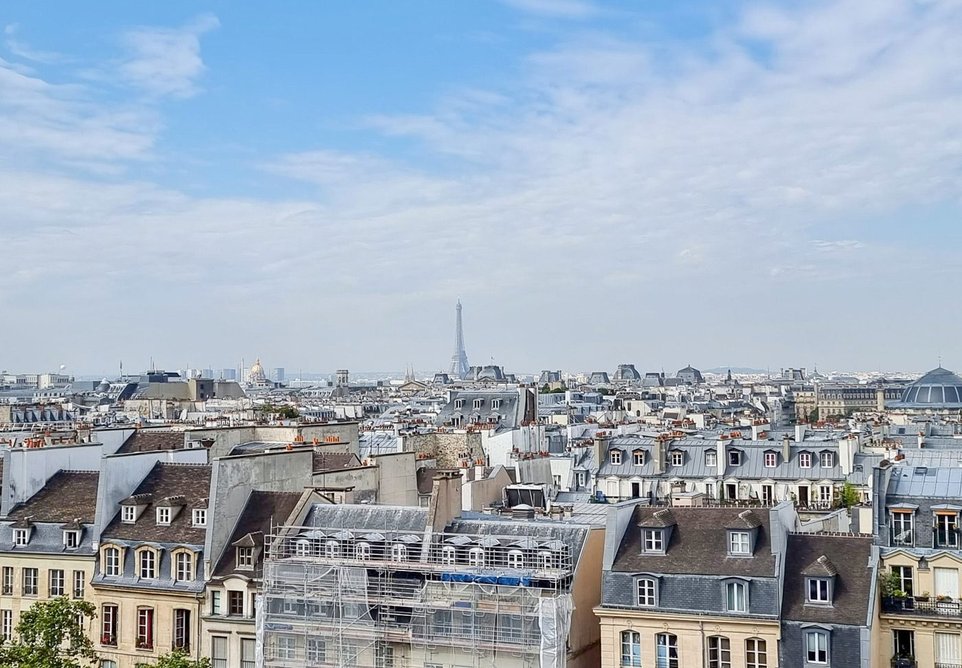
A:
(167, 61)
(569, 9)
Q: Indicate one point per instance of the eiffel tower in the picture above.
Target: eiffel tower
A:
(459, 360)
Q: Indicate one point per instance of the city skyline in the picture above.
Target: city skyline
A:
(757, 184)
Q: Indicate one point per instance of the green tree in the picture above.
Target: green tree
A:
(52, 634)
(849, 496)
(178, 659)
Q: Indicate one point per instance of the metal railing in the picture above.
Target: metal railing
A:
(913, 606)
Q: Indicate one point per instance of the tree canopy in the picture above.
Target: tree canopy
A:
(52, 634)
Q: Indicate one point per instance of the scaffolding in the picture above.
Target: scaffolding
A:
(394, 599)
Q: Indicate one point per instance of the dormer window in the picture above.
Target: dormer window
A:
(677, 457)
(199, 518)
(647, 589)
(828, 459)
(735, 457)
(639, 457)
(818, 591)
(128, 514)
(478, 403)
(495, 404)
(736, 596)
(711, 458)
(739, 543)
(183, 566)
(654, 540)
(71, 539)
(21, 536)
(245, 558)
(805, 460)
(771, 460)
(147, 564)
(616, 457)
(459, 403)
(163, 516)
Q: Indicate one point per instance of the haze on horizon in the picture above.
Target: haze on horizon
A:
(760, 184)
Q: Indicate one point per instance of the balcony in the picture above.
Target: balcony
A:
(921, 607)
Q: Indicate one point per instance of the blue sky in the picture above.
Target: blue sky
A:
(655, 182)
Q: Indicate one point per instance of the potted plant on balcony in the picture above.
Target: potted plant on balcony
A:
(923, 598)
(903, 660)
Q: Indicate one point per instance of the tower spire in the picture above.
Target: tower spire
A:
(459, 360)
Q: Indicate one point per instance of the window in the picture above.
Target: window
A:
(827, 459)
(448, 554)
(30, 577)
(183, 567)
(546, 559)
(55, 581)
(147, 566)
(128, 514)
(71, 539)
(215, 603)
(816, 646)
(771, 460)
(108, 624)
(245, 558)
(946, 530)
(768, 494)
(905, 578)
(248, 648)
(182, 630)
(476, 556)
(739, 542)
(948, 649)
(805, 460)
(639, 457)
(302, 548)
(646, 592)
(616, 457)
(736, 596)
(399, 552)
(630, 648)
(6, 624)
(316, 651)
(218, 651)
(163, 516)
(825, 494)
(902, 533)
(21, 536)
(332, 549)
(818, 591)
(515, 559)
(735, 457)
(235, 603)
(666, 651)
(145, 628)
(459, 403)
(383, 656)
(111, 561)
(362, 552)
(199, 518)
(285, 647)
(677, 458)
(719, 652)
(79, 583)
(711, 458)
(7, 581)
(756, 653)
(495, 404)
(654, 540)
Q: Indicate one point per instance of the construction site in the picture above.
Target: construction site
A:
(482, 593)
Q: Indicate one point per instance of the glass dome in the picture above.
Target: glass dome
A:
(939, 387)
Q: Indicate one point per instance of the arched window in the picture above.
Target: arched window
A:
(515, 559)
(183, 566)
(112, 561)
(546, 559)
(302, 547)
(736, 596)
(756, 653)
(399, 552)
(719, 652)
(362, 551)
(666, 651)
(630, 648)
(476, 556)
(448, 554)
(332, 549)
(147, 564)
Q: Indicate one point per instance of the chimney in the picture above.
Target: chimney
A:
(445, 500)
(799, 433)
(786, 448)
(659, 452)
(721, 456)
(921, 440)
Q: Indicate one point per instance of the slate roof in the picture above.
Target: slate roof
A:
(698, 545)
(192, 481)
(67, 496)
(333, 461)
(262, 511)
(821, 567)
(152, 441)
(926, 482)
(849, 556)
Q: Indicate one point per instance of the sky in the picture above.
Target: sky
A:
(660, 182)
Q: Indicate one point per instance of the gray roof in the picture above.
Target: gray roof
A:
(939, 388)
(849, 557)
(926, 482)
